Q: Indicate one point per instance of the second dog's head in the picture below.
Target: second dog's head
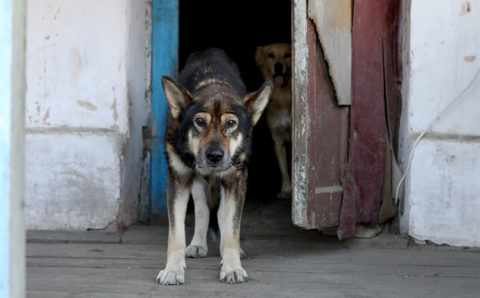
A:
(274, 61)
(213, 128)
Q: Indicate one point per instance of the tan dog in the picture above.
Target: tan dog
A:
(274, 61)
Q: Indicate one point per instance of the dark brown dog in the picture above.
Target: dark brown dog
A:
(208, 143)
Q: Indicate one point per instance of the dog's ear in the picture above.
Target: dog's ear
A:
(178, 97)
(259, 56)
(256, 102)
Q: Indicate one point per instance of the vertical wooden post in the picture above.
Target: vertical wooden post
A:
(164, 62)
(300, 130)
(12, 95)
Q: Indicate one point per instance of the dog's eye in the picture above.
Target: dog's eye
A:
(270, 55)
(288, 55)
(200, 122)
(230, 123)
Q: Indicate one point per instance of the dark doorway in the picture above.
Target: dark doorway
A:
(239, 27)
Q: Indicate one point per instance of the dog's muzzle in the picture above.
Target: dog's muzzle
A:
(213, 157)
(278, 75)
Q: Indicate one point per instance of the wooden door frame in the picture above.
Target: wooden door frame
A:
(164, 62)
(300, 156)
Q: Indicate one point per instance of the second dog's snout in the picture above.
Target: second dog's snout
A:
(278, 67)
(215, 155)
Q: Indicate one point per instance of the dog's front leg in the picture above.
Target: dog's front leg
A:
(178, 192)
(229, 219)
(198, 247)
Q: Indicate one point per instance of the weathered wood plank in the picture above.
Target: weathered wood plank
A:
(288, 259)
(271, 284)
(320, 136)
(280, 269)
(300, 129)
(333, 21)
(73, 237)
(281, 262)
(327, 146)
(63, 294)
(368, 137)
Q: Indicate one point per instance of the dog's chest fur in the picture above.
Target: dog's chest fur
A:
(280, 108)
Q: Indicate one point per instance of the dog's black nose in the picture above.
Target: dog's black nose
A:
(278, 67)
(214, 155)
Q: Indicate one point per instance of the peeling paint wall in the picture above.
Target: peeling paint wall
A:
(442, 44)
(86, 103)
(76, 64)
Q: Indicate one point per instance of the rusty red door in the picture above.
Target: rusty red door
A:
(339, 151)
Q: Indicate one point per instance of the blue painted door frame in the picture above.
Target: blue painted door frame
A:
(12, 88)
(164, 62)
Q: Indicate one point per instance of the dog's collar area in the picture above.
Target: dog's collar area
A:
(218, 169)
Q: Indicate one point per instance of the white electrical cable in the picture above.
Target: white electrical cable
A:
(428, 127)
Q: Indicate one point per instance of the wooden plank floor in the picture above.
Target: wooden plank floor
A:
(282, 262)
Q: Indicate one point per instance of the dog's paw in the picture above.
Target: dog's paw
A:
(169, 276)
(233, 275)
(196, 251)
(166, 277)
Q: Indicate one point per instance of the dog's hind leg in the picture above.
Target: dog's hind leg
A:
(229, 219)
(178, 193)
(198, 247)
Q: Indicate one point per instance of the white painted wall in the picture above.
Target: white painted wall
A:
(441, 44)
(87, 98)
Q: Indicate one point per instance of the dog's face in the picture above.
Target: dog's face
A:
(214, 128)
(274, 61)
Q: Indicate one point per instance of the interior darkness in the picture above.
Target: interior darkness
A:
(239, 27)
